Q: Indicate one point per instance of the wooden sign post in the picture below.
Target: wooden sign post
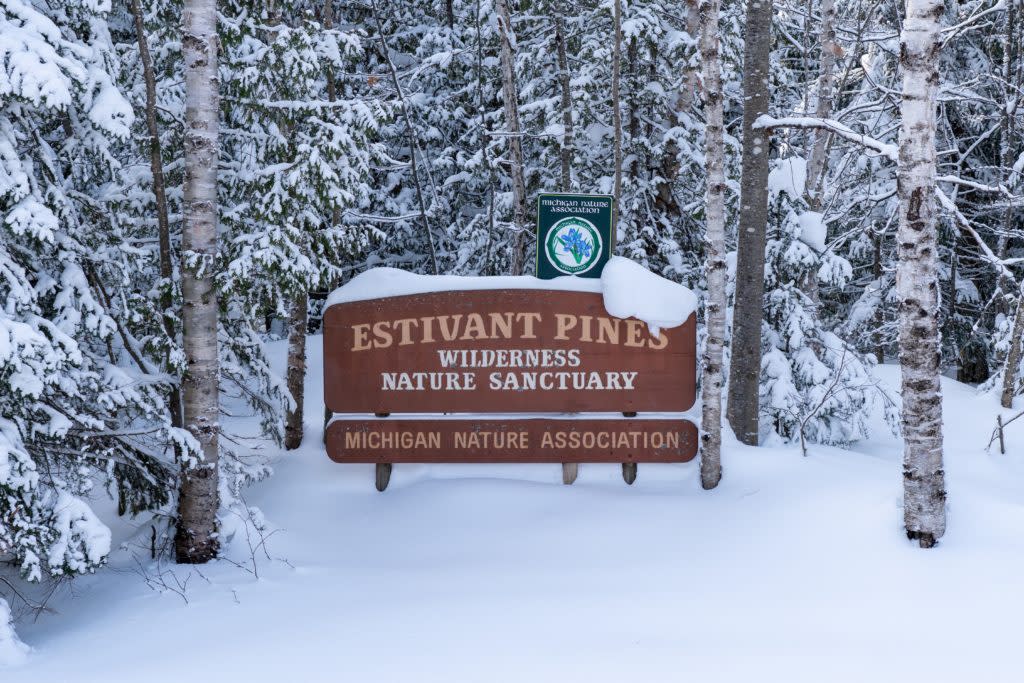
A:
(546, 375)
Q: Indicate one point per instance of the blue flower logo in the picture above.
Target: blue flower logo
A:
(573, 246)
(576, 244)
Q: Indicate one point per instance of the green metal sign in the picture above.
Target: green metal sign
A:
(574, 234)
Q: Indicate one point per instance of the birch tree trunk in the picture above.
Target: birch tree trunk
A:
(813, 189)
(198, 502)
(1012, 77)
(156, 167)
(823, 107)
(1011, 84)
(748, 312)
(566, 93)
(879, 318)
(711, 419)
(1013, 357)
(296, 370)
(924, 494)
(691, 80)
(510, 94)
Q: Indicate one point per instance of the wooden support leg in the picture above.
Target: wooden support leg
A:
(1002, 444)
(569, 472)
(383, 475)
(629, 468)
(383, 468)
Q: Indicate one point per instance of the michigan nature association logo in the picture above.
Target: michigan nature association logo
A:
(573, 245)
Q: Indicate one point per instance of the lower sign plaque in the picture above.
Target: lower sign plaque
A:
(397, 440)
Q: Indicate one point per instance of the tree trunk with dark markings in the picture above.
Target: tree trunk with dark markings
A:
(198, 501)
(714, 145)
(748, 313)
(917, 286)
(296, 370)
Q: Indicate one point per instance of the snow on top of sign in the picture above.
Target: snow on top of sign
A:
(384, 282)
(629, 289)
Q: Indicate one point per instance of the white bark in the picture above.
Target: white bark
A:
(1012, 81)
(691, 80)
(711, 423)
(823, 107)
(196, 538)
(1012, 77)
(917, 287)
(510, 94)
(1010, 381)
(296, 370)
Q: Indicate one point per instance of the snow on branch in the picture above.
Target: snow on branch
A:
(382, 219)
(957, 180)
(965, 227)
(842, 130)
(892, 153)
(953, 31)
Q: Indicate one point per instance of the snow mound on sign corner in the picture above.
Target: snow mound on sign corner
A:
(12, 650)
(632, 291)
(384, 282)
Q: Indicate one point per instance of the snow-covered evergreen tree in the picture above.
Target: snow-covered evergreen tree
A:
(294, 179)
(814, 385)
(81, 406)
(294, 159)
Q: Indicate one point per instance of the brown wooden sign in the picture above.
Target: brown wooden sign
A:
(526, 440)
(498, 351)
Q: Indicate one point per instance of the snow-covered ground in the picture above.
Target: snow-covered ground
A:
(794, 569)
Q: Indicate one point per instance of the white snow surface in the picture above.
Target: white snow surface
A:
(387, 282)
(793, 569)
(12, 650)
(629, 290)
